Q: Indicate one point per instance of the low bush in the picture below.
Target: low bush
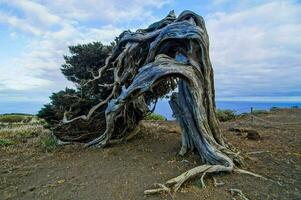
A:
(225, 115)
(259, 112)
(155, 116)
(5, 142)
(48, 143)
(274, 108)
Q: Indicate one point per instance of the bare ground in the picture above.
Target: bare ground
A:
(124, 171)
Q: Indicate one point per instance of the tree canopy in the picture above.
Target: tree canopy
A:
(82, 63)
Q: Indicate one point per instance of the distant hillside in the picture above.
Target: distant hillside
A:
(15, 117)
(23, 114)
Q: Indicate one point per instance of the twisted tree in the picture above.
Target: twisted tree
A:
(143, 66)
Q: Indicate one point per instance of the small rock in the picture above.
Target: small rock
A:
(61, 181)
(233, 129)
(239, 134)
(253, 135)
(238, 131)
(32, 188)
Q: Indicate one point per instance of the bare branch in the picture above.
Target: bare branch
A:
(87, 117)
(99, 72)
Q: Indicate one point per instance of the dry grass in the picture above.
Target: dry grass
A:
(31, 134)
(225, 115)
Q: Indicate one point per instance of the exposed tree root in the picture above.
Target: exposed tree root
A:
(217, 184)
(237, 192)
(241, 171)
(256, 152)
(202, 180)
(174, 184)
(160, 188)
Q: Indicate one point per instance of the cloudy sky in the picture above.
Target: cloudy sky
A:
(255, 45)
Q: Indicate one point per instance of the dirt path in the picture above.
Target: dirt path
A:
(124, 171)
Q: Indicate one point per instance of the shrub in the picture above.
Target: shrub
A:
(48, 143)
(274, 108)
(225, 115)
(258, 112)
(155, 116)
(5, 142)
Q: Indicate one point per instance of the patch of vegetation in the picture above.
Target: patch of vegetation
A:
(155, 117)
(15, 118)
(33, 133)
(5, 142)
(225, 115)
(21, 131)
(259, 112)
(83, 61)
(48, 143)
(16, 133)
(274, 108)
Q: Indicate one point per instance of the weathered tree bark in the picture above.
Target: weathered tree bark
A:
(150, 63)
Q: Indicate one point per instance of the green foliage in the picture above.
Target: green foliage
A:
(48, 143)
(15, 118)
(274, 108)
(5, 142)
(60, 102)
(44, 123)
(155, 116)
(225, 115)
(47, 113)
(84, 61)
(258, 112)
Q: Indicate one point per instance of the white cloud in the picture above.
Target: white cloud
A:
(112, 11)
(45, 55)
(18, 23)
(37, 13)
(52, 26)
(256, 51)
(15, 77)
(13, 35)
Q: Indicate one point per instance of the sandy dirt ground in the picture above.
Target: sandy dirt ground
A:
(124, 171)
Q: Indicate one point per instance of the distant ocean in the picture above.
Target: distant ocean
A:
(161, 108)
(242, 106)
(239, 106)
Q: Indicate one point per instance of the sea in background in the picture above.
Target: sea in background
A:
(162, 106)
(238, 106)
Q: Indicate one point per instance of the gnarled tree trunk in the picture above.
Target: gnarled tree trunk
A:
(150, 63)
